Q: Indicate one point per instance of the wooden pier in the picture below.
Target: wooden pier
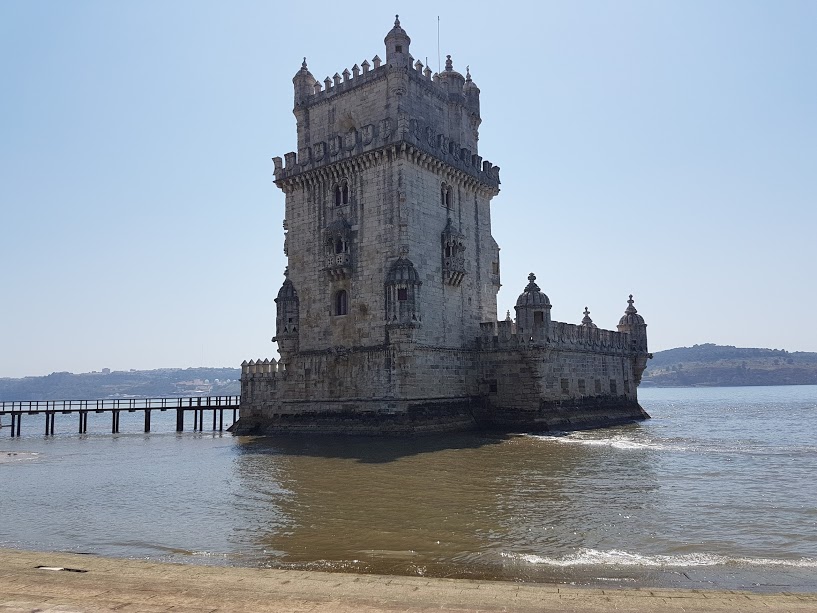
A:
(196, 405)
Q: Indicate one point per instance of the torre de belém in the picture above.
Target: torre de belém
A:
(387, 318)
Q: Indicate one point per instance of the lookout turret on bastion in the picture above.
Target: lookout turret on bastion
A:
(386, 321)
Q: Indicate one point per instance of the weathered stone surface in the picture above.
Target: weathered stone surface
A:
(387, 319)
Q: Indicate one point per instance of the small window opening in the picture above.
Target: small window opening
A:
(538, 317)
(442, 195)
(345, 193)
(338, 196)
(402, 294)
(398, 48)
(339, 246)
(341, 303)
(448, 251)
(290, 319)
(492, 387)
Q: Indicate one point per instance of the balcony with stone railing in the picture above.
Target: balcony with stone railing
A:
(338, 265)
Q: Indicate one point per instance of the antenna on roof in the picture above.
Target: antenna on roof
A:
(438, 45)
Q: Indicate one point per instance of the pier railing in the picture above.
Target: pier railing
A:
(197, 405)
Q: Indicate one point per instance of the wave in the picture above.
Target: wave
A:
(17, 456)
(615, 557)
(618, 441)
(629, 443)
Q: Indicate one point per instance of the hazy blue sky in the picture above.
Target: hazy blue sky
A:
(665, 149)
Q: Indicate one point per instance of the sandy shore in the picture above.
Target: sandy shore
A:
(107, 584)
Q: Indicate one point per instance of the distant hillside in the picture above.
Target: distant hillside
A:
(165, 382)
(724, 365)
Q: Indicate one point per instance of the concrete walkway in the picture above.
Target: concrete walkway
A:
(130, 585)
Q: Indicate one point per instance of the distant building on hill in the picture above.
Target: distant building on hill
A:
(387, 317)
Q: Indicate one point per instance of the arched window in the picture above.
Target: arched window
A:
(442, 195)
(341, 303)
(445, 195)
(342, 193)
(339, 246)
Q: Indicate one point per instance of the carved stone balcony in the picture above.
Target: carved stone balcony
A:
(338, 265)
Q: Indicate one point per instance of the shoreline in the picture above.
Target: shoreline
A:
(91, 583)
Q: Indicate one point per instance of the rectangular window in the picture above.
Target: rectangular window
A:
(598, 386)
(492, 387)
(582, 388)
(402, 294)
(565, 386)
(538, 317)
(613, 389)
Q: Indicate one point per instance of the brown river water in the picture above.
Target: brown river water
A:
(717, 490)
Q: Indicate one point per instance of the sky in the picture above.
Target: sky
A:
(664, 149)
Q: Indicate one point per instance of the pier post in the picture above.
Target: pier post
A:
(19, 419)
(53, 414)
(214, 419)
(115, 422)
(221, 420)
(179, 419)
(13, 423)
(147, 420)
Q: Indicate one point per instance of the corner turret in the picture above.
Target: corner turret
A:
(633, 323)
(286, 320)
(304, 84)
(471, 92)
(532, 313)
(397, 45)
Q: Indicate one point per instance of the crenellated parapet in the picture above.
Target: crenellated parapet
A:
(560, 336)
(268, 368)
(328, 114)
(418, 140)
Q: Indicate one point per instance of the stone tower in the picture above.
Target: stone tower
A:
(387, 320)
(388, 206)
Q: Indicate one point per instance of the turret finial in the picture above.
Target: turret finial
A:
(630, 308)
(397, 21)
(587, 322)
(303, 65)
(532, 287)
(468, 73)
(449, 65)
(286, 272)
(508, 315)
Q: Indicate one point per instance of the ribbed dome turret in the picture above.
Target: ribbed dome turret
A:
(532, 296)
(631, 316)
(287, 291)
(403, 271)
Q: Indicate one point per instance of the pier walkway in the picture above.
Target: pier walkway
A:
(15, 410)
(71, 583)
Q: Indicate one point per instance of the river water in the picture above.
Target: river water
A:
(718, 489)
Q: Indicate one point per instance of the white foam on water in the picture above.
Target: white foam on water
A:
(617, 441)
(615, 557)
(17, 456)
